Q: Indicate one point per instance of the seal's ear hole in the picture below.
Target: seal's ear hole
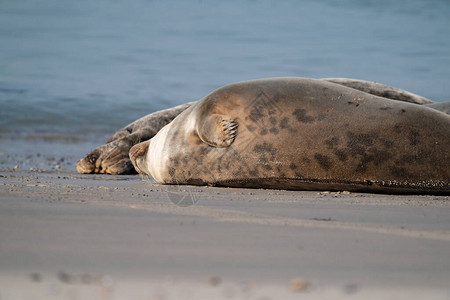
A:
(218, 131)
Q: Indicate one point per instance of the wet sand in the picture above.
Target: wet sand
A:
(70, 236)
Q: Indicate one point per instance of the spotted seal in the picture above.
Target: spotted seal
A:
(303, 134)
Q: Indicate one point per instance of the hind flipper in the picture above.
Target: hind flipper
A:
(380, 90)
(443, 107)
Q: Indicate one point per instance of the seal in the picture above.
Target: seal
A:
(113, 157)
(302, 134)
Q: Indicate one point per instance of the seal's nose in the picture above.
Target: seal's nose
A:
(138, 156)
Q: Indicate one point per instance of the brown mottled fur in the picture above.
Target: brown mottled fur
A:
(308, 134)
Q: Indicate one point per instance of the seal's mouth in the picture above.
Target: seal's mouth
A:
(138, 155)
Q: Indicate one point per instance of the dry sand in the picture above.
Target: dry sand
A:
(70, 236)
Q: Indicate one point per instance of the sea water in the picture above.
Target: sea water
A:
(73, 72)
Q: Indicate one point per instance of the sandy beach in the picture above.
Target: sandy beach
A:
(71, 236)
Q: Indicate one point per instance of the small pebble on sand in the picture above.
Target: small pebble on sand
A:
(299, 285)
(214, 281)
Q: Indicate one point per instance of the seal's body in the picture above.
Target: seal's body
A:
(295, 133)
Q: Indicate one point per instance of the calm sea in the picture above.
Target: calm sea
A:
(72, 72)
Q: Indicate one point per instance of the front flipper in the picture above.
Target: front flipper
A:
(111, 158)
(218, 131)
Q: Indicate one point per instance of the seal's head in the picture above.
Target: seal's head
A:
(150, 157)
(138, 154)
